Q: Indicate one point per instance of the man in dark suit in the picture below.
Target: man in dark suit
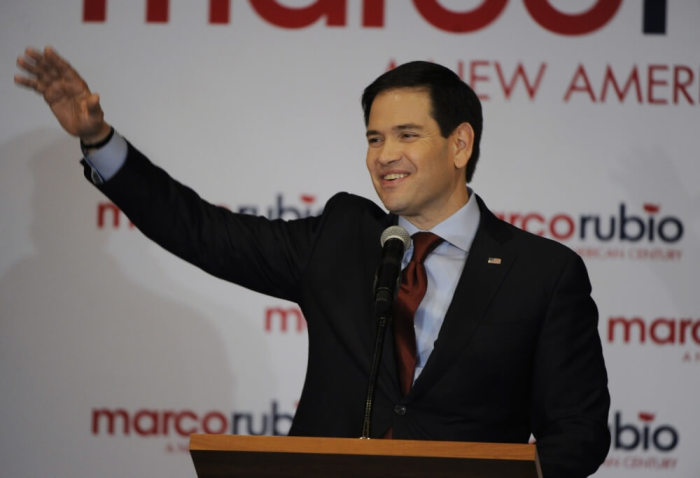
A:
(506, 342)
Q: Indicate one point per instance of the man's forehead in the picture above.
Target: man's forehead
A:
(400, 108)
(404, 92)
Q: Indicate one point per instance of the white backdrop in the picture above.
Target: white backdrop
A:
(111, 351)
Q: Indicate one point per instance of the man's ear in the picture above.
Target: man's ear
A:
(462, 143)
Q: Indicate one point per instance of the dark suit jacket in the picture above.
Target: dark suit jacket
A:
(518, 352)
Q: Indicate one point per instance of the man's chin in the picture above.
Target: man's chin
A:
(393, 208)
(394, 204)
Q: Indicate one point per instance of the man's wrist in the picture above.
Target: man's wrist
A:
(95, 141)
(106, 161)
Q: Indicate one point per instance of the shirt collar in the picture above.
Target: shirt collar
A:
(459, 229)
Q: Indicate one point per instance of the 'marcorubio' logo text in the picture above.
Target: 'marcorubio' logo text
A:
(282, 209)
(643, 434)
(334, 14)
(109, 215)
(642, 442)
(677, 333)
(651, 232)
(660, 331)
(623, 226)
(179, 424)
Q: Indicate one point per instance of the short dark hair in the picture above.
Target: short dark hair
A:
(453, 101)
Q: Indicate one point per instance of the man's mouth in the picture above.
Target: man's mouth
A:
(394, 176)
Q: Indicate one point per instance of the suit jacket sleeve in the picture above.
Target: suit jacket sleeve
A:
(257, 253)
(570, 397)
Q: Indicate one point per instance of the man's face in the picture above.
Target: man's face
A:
(416, 172)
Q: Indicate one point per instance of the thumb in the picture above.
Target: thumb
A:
(93, 104)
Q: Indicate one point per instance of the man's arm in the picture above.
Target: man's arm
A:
(266, 256)
(570, 396)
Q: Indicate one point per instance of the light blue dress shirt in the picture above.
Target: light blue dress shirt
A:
(106, 161)
(444, 267)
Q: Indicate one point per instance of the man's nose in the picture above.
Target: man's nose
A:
(391, 151)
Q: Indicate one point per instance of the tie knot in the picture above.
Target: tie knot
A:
(423, 244)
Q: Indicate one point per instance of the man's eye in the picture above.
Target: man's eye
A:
(373, 140)
(408, 135)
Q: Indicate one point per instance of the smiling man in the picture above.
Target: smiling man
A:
(417, 173)
(502, 342)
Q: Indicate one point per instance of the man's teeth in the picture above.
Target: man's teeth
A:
(390, 177)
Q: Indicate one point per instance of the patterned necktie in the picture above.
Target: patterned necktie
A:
(414, 282)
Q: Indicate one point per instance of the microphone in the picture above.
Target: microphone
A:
(394, 240)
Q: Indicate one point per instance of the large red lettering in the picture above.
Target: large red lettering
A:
(219, 11)
(223, 423)
(573, 86)
(572, 24)
(288, 17)
(626, 325)
(373, 13)
(609, 80)
(670, 335)
(530, 217)
(690, 329)
(167, 417)
(157, 11)
(178, 423)
(568, 230)
(94, 10)
(102, 209)
(460, 22)
(283, 314)
(474, 77)
(105, 207)
(653, 82)
(508, 87)
(111, 417)
(151, 425)
(679, 85)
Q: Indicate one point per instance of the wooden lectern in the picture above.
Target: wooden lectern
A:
(219, 456)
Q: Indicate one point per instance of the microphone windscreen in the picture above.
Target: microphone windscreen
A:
(396, 232)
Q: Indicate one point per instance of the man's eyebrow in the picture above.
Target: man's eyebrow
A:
(403, 127)
(400, 127)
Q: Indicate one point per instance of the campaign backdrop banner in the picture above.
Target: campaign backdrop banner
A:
(112, 351)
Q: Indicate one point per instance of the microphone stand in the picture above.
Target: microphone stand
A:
(395, 240)
(383, 314)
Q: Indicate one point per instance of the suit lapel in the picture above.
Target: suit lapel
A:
(488, 262)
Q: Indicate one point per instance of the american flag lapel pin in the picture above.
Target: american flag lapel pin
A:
(494, 260)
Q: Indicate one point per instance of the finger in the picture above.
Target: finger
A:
(35, 63)
(26, 82)
(26, 65)
(33, 54)
(32, 61)
(57, 62)
(38, 72)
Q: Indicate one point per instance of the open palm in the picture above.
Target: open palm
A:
(76, 108)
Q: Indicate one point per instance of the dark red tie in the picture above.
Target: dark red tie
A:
(414, 282)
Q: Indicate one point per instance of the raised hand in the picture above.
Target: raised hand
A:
(76, 108)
